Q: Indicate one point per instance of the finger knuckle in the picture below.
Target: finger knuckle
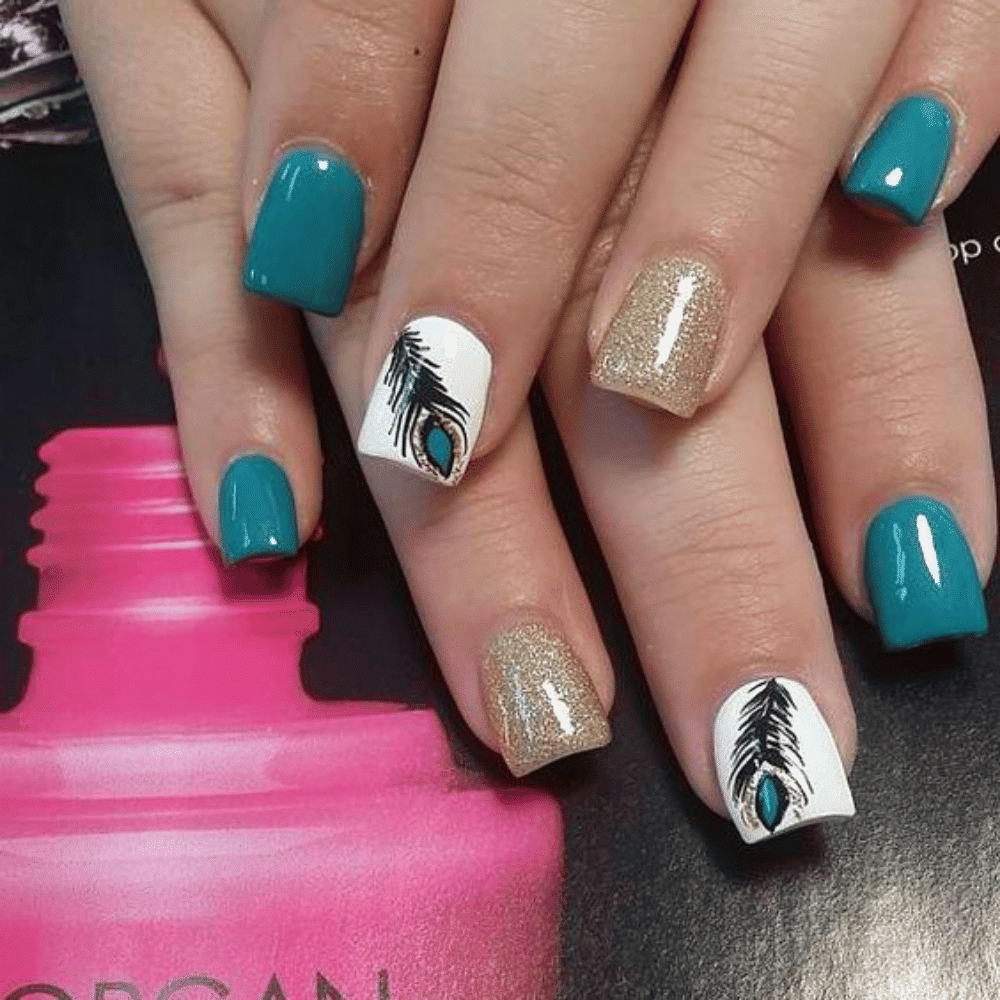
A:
(755, 143)
(518, 183)
(728, 566)
(969, 18)
(762, 133)
(726, 545)
(376, 32)
(181, 194)
(487, 525)
(894, 376)
(371, 18)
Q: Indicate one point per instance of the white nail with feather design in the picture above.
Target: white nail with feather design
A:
(427, 405)
(776, 760)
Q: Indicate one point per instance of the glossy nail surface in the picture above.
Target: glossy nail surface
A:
(776, 761)
(256, 510)
(539, 698)
(921, 576)
(662, 342)
(427, 406)
(901, 165)
(307, 234)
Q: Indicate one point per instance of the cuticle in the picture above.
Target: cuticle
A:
(521, 615)
(308, 143)
(753, 673)
(254, 453)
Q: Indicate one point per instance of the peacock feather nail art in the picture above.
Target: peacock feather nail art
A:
(776, 760)
(427, 405)
(426, 420)
(767, 766)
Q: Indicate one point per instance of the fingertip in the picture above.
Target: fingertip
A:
(539, 697)
(898, 171)
(778, 759)
(427, 404)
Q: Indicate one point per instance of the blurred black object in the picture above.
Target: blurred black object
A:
(42, 98)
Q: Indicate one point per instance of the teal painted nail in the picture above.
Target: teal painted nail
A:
(256, 510)
(901, 165)
(921, 577)
(308, 230)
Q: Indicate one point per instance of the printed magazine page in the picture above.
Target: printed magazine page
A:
(252, 782)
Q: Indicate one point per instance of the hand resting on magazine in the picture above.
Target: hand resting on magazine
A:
(244, 142)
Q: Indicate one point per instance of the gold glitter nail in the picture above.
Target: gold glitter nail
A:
(540, 699)
(662, 342)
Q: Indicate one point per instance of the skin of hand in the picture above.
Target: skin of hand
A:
(699, 519)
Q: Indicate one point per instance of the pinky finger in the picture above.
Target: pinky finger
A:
(935, 115)
(171, 101)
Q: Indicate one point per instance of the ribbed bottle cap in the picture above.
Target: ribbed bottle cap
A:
(159, 672)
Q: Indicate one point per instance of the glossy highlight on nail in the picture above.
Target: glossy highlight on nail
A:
(920, 574)
(902, 164)
(539, 698)
(661, 344)
(256, 510)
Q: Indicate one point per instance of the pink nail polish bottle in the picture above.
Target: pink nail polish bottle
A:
(180, 821)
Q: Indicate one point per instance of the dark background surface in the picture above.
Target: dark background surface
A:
(662, 898)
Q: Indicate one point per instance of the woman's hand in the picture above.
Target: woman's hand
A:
(494, 248)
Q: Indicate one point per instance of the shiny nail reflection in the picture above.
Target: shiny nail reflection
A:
(921, 576)
(539, 698)
(901, 166)
(661, 344)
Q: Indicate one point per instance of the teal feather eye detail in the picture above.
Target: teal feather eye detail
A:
(771, 801)
(768, 776)
(438, 446)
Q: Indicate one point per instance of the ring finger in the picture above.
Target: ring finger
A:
(872, 345)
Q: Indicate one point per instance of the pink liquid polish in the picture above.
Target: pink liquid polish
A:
(180, 821)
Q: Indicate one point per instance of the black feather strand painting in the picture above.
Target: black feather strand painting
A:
(426, 420)
(768, 773)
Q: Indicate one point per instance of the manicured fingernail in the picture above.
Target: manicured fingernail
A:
(308, 230)
(256, 510)
(776, 760)
(921, 576)
(540, 699)
(427, 405)
(662, 342)
(901, 165)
